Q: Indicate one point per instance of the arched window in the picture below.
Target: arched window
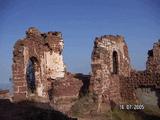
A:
(115, 62)
(30, 74)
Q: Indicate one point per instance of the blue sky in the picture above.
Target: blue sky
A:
(80, 21)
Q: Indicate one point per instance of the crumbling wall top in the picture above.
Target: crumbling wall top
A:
(33, 32)
(38, 55)
(153, 64)
(116, 38)
(50, 41)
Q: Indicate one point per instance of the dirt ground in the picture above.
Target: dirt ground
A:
(29, 111)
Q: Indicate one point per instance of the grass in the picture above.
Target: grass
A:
(152, 110)
(85, 107)
(124, 115)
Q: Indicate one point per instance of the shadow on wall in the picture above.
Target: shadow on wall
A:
(158, 95)
(50, 92)
(86, 82)
(30, 75)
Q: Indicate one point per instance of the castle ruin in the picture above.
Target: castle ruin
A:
(113, 80)
(39, 72)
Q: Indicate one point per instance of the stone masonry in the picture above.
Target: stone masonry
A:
(113, 80)
(110, 60)
(38, 65)
(149, 78)
(40, 74)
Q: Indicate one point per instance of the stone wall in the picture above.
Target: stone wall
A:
(137, 79)
(44, 50)
(65, 92)
(153, 62)
(149, 78)
(120, 86)
(38, 56)
(106, 67)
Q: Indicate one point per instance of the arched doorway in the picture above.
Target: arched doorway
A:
(30, 75)
(115, 62)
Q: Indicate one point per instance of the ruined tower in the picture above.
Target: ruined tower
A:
(36, 59)
(39, 72)
(153, 62)
(110, 60)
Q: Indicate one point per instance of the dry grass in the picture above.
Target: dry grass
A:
(86, 109)
(83, 106)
